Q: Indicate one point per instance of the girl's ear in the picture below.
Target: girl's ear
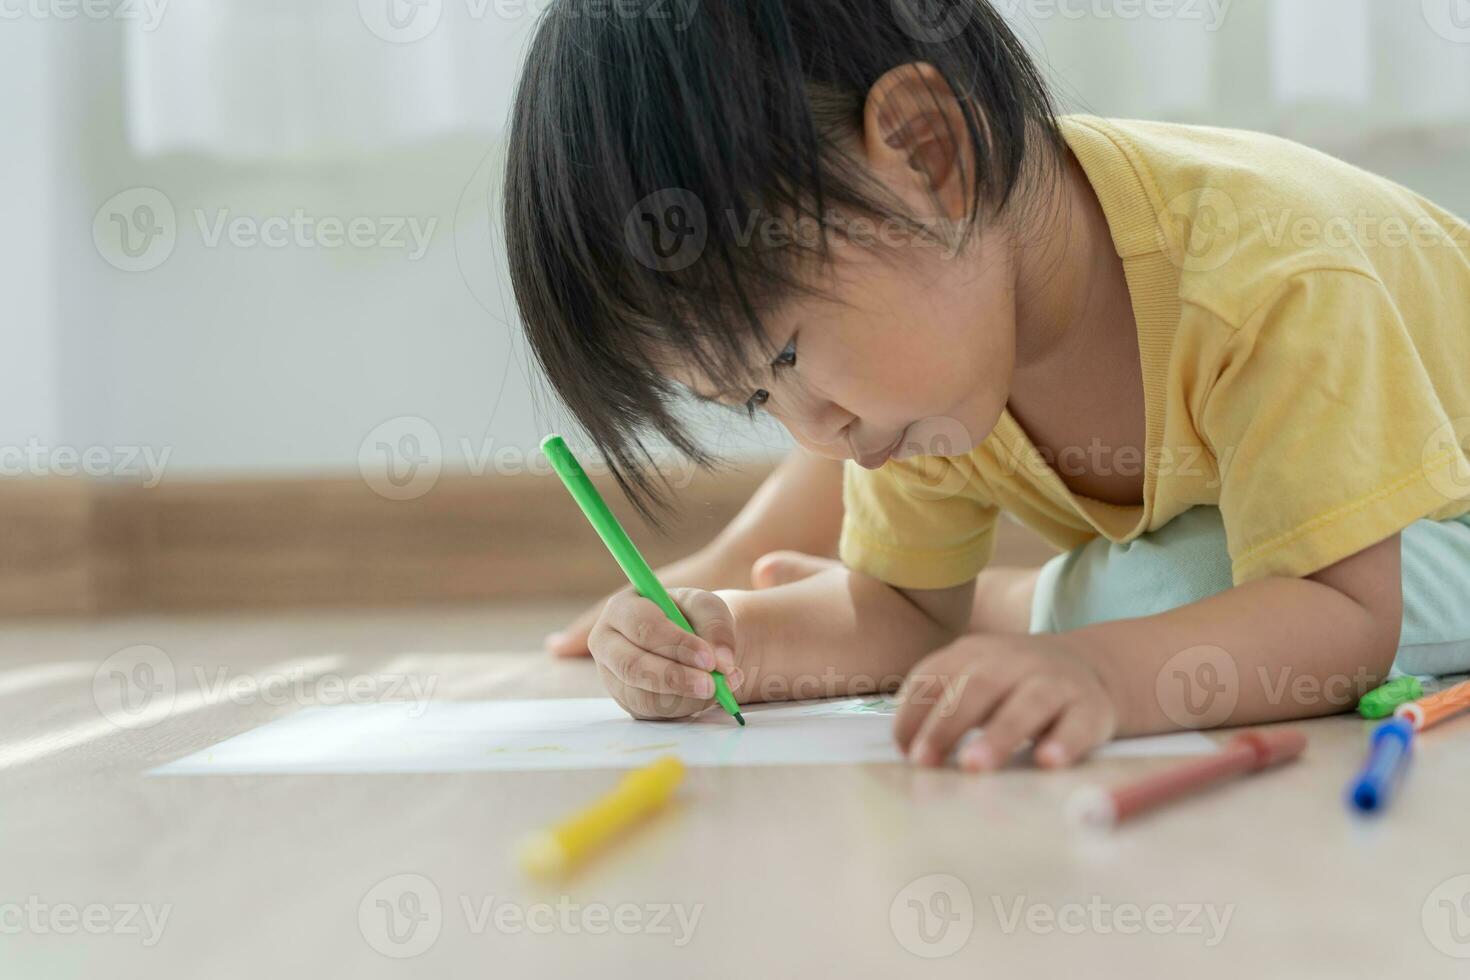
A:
(916, 140)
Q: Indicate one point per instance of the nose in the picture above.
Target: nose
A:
(822, 428)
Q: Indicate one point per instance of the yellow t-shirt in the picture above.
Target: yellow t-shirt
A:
(1304, 332)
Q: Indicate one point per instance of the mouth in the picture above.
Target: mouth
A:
(872, 461)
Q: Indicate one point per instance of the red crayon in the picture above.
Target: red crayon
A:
(1245, 753)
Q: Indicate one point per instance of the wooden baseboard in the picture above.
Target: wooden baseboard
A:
(46, 546)
(72, 546)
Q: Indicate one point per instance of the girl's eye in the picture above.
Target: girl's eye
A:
(785, 359)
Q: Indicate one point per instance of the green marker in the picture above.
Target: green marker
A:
(1380, 702)
(624, 550)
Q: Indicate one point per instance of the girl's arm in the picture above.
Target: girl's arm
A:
(1271, 650)
(835, 633)
(797, 508)
(838, 633)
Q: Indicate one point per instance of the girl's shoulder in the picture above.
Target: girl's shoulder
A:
(1240, 213)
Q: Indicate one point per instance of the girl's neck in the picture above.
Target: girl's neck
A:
(1078, 380)
(1072, 301)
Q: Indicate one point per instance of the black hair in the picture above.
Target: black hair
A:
(698, 119)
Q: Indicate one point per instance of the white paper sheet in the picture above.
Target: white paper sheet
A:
(578, 733)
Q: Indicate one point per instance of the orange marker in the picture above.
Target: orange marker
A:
(1246, 753)
(1430, 711)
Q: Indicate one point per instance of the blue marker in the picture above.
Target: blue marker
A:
(1388, 756)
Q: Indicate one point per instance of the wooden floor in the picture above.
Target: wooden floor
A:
(805, 871)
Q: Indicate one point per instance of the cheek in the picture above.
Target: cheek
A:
(971, 315)
(947, 347)
(896, 342)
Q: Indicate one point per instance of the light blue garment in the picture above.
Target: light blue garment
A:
(1186, 560)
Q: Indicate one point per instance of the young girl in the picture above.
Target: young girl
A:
(1229, 374)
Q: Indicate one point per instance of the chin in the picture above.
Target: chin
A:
(939, 435)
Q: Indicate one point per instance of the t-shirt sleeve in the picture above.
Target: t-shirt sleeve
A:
(917, 523)
(1329, 432)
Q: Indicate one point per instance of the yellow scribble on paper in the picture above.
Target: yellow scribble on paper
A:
(526, 748)
(652, 748)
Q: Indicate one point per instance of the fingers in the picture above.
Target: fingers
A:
(961, 691)
(635, 667)
(915, 697)
(1027, 711)
(644, 625)
(657, 669)
(785, 567)
(712, 620)
(646, 705)
(964, 701)
(1080, 729)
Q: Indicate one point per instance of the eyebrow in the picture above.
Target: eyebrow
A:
(716, 398)
(721, 397)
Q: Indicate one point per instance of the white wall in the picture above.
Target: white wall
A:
(241, 357)
(250, 359)
(232, 356)
(30, 403)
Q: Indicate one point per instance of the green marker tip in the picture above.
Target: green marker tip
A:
(740, 718)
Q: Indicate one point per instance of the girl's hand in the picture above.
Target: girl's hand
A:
(1017, 688)
(656, 670)
(715, 567)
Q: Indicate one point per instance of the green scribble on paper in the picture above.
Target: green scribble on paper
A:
(876, 706)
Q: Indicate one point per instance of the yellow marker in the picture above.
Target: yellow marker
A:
(550, 852)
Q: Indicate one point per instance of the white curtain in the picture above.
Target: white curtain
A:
(293, 80)
(298, 79)
(1334, 71)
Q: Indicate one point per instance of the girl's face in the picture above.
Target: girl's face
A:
(903, 349)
